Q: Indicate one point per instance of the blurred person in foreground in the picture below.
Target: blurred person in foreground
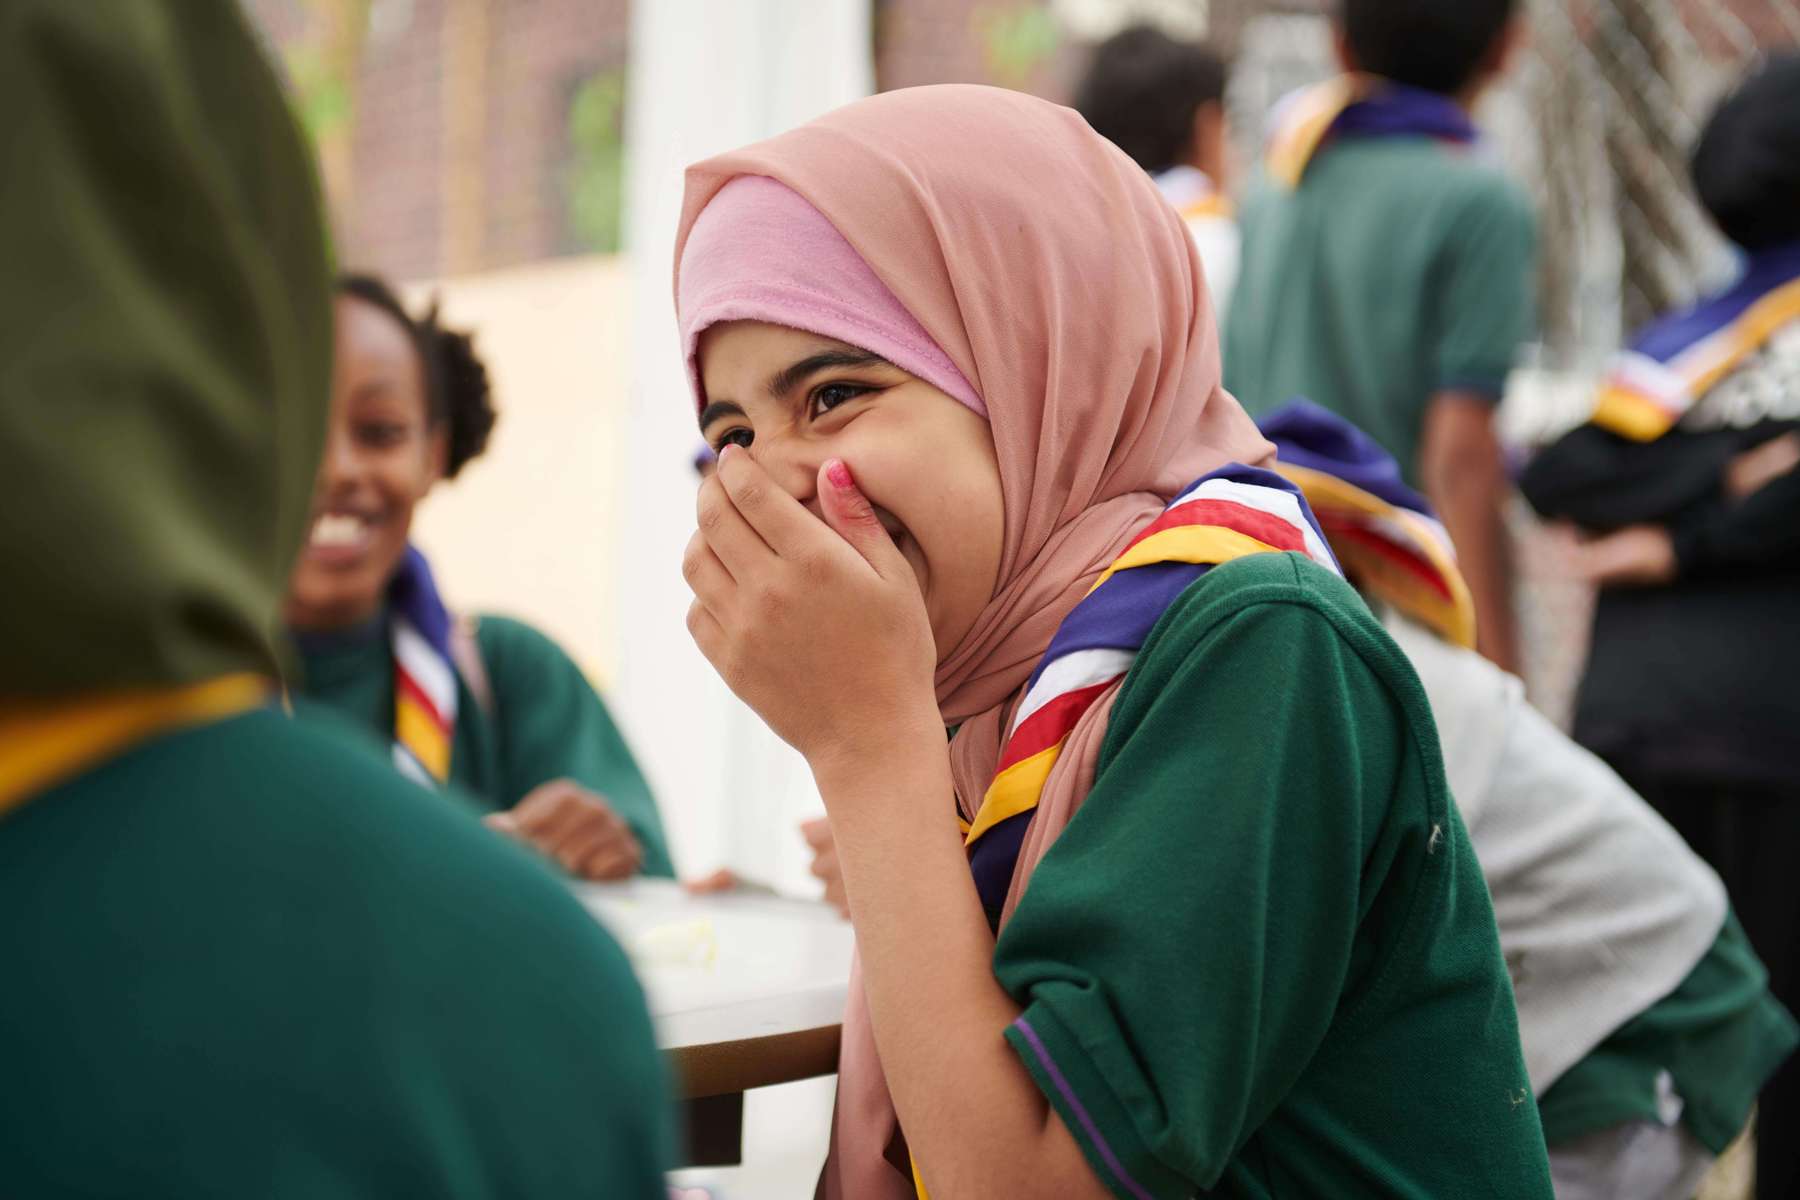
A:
(1684, 480)
(1162, 101)
(240, 955)
(1387, 267)
(490, 704)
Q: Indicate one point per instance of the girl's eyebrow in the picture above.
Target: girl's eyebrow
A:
(717, 409)
(783, 381)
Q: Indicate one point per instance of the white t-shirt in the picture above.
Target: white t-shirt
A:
(1213, 227)
(1602, 908)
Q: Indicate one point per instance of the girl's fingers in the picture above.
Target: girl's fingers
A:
(778, 519)
(615, 861)
(587, 841)
(706, 575)
(738, 546)
(706, 631)
(849, 512)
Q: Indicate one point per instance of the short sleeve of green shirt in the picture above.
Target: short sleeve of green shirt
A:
(553, 725)
(1484, 287)
(1261, 958)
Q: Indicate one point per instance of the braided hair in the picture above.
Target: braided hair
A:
(457, 391)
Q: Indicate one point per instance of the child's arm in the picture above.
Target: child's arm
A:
(575, 789)
(1464, 475)
(1601, 481)
(937, 1011)
(1482, 313)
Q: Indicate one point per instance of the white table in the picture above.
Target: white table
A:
(746, 990)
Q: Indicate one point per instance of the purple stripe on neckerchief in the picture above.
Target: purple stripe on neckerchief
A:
(1307, 435)
(413, 596)
(1081, 1113)
(1763, 272)
(1395, 110)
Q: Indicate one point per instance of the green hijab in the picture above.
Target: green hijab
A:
(165, 344)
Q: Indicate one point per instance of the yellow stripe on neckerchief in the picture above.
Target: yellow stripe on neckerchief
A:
(1678, 359)
(1303, 122)
(1215, 207)
(1233, 512)
(45, 744)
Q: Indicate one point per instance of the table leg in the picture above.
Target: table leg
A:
(714, 1128)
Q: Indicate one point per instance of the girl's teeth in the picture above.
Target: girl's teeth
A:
(334, 529)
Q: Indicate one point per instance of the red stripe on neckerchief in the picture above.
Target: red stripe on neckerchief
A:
(1228, 514)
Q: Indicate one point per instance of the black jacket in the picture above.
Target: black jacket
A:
(1699, 678)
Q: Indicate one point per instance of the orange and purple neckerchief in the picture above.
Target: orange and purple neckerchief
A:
(1674, 361)
(1383, 532)
(1357, 106)
(1227, 514)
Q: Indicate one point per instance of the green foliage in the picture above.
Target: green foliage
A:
(594, 178)
(1015, 39)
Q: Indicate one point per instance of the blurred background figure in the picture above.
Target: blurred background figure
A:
(239, 946)
(1162, 101)
(489, 704)
(1387, 268)
(1685, 481)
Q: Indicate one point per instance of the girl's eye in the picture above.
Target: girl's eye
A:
(738, 436)
(828, 396)
(381, 433)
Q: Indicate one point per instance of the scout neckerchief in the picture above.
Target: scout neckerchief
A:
(1230, 513)
(424, 674)
(1192, 193)
(1382, 531)
(1676, 360)
(1353, 106)
(48, 743)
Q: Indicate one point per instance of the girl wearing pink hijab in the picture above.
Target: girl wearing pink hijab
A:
(1185, 906)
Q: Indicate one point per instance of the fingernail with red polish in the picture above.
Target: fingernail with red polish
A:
(839, 474)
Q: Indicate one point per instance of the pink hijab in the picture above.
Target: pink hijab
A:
(1045, 265)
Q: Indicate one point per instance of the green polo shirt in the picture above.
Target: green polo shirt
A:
(1398, 268)
(241, 960)
(1261, 958)
(1699, 1055)
(544, 720)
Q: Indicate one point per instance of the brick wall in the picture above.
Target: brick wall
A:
(458, 146)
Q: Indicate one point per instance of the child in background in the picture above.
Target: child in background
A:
(493, 706)
(1387, 268)
(1163, 102)
(240, 953)
(1685, 478)
(1646, 1017)
(1185, 906)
